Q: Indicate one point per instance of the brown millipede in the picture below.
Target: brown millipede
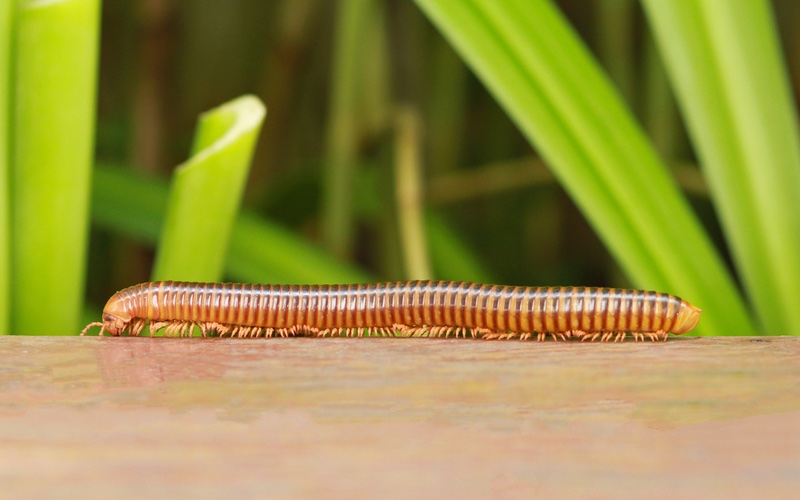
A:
(414, 308)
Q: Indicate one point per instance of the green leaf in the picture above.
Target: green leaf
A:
(206, 192)
(6, 13)
(537, 68)
(342, 140)
(723, 59)
(53, 113)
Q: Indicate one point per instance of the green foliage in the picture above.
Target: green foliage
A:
(52, 138)
(5, 98)
(732, 88)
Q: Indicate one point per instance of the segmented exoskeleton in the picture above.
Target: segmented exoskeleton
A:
(414, 308)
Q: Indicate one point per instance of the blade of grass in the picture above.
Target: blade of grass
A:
(56, 46)
(540, 72)
(260, 251)
(337, 212)
(408, 196)
(6, 12)
(733, 90)
(206, 192)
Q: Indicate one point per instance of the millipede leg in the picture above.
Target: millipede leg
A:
(172, 330)
(578, 334)
(417, 331)
(176, 329)
(591, 337)
(156, 326)
(137, 327)
(482, 332)
(445, 331)
(489, 335)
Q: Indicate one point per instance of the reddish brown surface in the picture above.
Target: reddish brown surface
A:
(399, 417)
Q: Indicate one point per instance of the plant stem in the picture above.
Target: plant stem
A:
(53, 137)
(6, 16)
(409, 195)
(206, 192)
(337, 213)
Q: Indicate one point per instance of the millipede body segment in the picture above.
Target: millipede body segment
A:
(414, 308)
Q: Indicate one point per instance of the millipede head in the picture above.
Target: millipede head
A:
(116, 317)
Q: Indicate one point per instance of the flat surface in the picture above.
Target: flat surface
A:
(399, 418)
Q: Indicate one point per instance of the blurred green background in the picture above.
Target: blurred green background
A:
(497, 152)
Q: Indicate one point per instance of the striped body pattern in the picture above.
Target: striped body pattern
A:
(415, 308)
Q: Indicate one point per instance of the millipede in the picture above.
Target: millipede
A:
(401, 309)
